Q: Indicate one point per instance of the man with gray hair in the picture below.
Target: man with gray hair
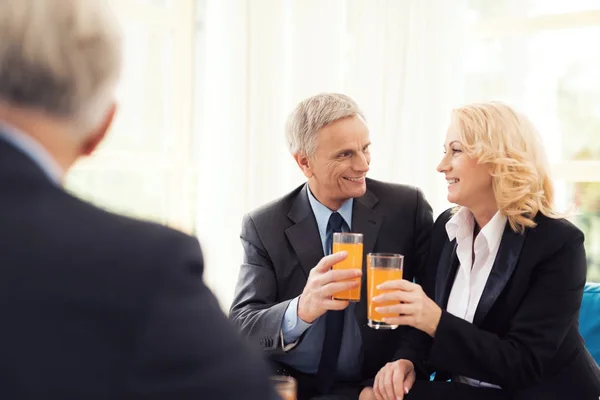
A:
(93, 305)
(283, 298)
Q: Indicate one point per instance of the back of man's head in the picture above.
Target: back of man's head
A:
(61, 58)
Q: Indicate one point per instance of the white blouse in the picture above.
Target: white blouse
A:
(472, 274)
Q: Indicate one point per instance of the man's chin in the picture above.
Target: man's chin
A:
(357, 192)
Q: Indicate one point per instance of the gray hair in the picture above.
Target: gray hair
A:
(314, 113)
(62, 57)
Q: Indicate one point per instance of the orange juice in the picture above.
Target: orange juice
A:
(353, 261)
(375, 277)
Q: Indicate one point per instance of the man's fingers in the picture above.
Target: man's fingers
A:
(335, 305)
(338, 275)
(335, 287)
(327, 262)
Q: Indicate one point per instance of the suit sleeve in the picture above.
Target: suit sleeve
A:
(254, 309)
(415, 344)
(518, 358)
(423, 227)
(186, 347)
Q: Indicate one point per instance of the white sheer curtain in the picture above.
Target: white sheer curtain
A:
(400, 60)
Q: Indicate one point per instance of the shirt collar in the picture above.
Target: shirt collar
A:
(322, 213)
(462, 224)
(494, 230)
(32, 149)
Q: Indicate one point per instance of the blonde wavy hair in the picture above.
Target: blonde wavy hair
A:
(495, 134)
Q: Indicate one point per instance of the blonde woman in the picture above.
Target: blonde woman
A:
(497, 316)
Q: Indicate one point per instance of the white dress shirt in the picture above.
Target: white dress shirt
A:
(472, 274)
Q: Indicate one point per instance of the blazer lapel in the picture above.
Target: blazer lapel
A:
(446, 272)
(502, 270)
(304, 234)
(367, 221)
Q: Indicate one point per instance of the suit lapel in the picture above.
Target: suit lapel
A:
(502, 270)
(304, 234)
(446, 272)
(367, 221)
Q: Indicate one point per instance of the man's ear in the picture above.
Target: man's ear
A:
(304, 164)
(95, 137)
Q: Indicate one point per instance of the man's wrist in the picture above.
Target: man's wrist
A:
(307, 319)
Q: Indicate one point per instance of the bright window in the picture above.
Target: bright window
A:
(145, 167)
(539, 55)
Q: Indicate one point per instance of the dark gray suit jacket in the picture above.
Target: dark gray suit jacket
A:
(282, 244)
(97, 306)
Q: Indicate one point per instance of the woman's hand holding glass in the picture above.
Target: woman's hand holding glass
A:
(414, 307)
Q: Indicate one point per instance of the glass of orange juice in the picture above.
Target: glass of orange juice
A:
(353, 244)
(381, 267)
(285, 387)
